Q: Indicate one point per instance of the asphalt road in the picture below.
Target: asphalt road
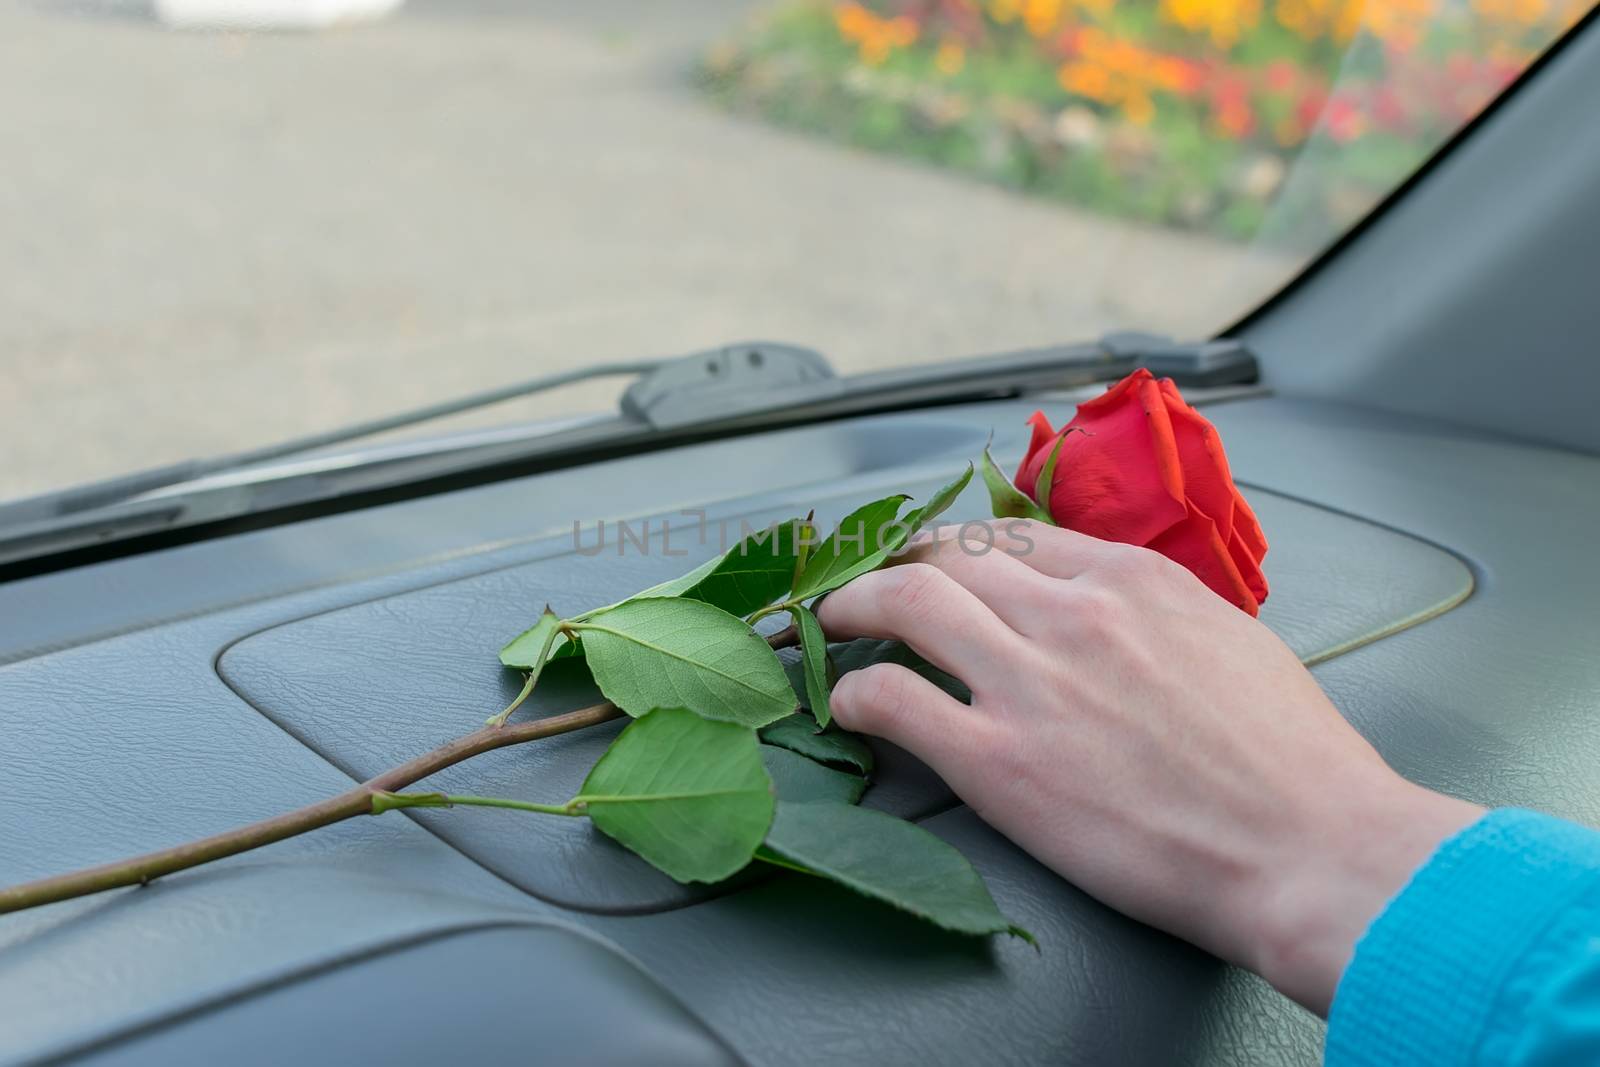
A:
(213, 241)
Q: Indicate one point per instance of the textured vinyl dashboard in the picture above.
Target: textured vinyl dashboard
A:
(1338, 582)
(1442, 579)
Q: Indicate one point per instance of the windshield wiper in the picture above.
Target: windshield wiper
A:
(721, 391)
(125, 487)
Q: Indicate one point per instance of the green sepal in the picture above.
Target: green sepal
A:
(1006, 501)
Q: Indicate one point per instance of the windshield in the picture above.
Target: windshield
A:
(231, 222)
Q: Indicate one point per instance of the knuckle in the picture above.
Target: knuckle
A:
(1093, 608)
(1019, 537)
(1006, 756)
(919, 589)
(1119, 559)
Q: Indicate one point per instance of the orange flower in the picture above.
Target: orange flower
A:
(873, 35)
(1116, 72)
(1041, 16)
(1086, 79)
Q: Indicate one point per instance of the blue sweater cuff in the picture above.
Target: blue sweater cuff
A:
(1428, 974)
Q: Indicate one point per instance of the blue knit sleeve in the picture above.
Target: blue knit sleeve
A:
(1489, 956)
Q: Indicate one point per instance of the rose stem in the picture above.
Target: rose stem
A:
(139, 870)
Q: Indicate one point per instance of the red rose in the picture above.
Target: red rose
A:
(1149, 470)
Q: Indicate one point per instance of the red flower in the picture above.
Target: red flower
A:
(1344, 120)
(1149, 470)
(1281, 75)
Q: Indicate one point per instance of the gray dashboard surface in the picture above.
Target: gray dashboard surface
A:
(429, 1001)
(137, 741)
(1338, 581)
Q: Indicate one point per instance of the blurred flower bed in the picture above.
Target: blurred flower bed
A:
(1182, 112)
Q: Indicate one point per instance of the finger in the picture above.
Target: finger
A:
(1050, 550)
(1021, 596)
(899, 705)
(928, 610)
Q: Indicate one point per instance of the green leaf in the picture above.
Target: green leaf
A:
(806, 542)
(888, 859)
(529, 649)
(868, 536)
(937, 505)
(1005, 499)
(856, 546)
(798, 733)
(813, 662)
(750, 575)
(690, 795)
(676, 586)
(1047, 473)
(670, 652)
(798, 780)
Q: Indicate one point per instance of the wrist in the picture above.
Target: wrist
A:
(1336, 874)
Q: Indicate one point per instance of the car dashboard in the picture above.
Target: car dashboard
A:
(1433, 576)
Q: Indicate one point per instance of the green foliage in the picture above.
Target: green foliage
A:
(1263, 121)
(860, 543)
(799, 780)
(750, 575)
(868, 537)
(529, 649)
(1005, 499)
(799, 733)
(689, 794)
(667, 651)
(888, 859)
(937, 505)
(813, 662)
(1047, 473)
(689, 786)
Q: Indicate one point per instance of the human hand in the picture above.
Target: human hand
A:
(1148, 741)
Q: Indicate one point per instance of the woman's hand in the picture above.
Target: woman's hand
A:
(1145, 739)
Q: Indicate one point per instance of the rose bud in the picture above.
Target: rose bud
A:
(1148, 469)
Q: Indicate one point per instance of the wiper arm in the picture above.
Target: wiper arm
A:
(695, 397)
(741, 384)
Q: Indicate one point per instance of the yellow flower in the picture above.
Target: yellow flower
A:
(1139, 109)
(1224, 21)
(1516, 12)
(1004, 11)
(950, 58)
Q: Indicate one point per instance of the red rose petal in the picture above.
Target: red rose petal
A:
(1194, 543)
(1207, 482)
(1150, 470)
(1248, 566)
(1119, 479)
(1038, 451)
(1248, 529)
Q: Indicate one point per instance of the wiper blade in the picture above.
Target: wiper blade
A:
(112, 491)
(707, 394)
